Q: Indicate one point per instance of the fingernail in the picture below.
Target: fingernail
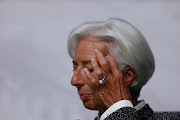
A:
(92, 59)
(85, 70)
(96, 50)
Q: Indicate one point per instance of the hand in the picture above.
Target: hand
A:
(116, 88)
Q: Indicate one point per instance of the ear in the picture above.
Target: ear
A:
(129, 75)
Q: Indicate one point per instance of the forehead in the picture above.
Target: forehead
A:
(86, 46)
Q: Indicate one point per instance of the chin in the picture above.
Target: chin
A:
(90, 105)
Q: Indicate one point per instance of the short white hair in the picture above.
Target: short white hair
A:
(127, 46)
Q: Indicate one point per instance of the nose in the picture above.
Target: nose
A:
(77, 79)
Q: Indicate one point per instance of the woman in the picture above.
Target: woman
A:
(112, 61)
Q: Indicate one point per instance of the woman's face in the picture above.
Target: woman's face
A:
(82, 59)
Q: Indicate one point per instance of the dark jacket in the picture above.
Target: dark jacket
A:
(145, 113)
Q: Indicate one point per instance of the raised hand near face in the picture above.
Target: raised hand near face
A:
(116, 87)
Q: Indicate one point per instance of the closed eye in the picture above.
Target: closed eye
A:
(90, 70)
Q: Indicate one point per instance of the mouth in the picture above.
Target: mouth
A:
(84, 96)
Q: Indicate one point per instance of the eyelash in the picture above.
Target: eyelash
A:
(90, 70)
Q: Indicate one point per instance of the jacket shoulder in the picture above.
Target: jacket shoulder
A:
(165, 116)
(125, 113)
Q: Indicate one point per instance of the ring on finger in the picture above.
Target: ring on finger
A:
(103, 81)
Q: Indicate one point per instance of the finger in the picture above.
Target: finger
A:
(97, 69)
(117, 81)
(102, 61)
(86, 80)
(113, 65)
(124, 90)
(93, 80)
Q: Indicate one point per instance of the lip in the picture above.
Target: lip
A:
(84, 96)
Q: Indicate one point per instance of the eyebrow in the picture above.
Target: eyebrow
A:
(84, 62)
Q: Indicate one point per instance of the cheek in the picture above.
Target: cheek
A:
(94, 102)
(95, 94)
(96, 98)
(97, 102)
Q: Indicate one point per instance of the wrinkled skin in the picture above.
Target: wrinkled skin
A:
(91, 62)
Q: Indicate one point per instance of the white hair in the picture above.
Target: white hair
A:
(127, 46)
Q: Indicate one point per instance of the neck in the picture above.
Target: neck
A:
(102, 110)
(135, 102)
